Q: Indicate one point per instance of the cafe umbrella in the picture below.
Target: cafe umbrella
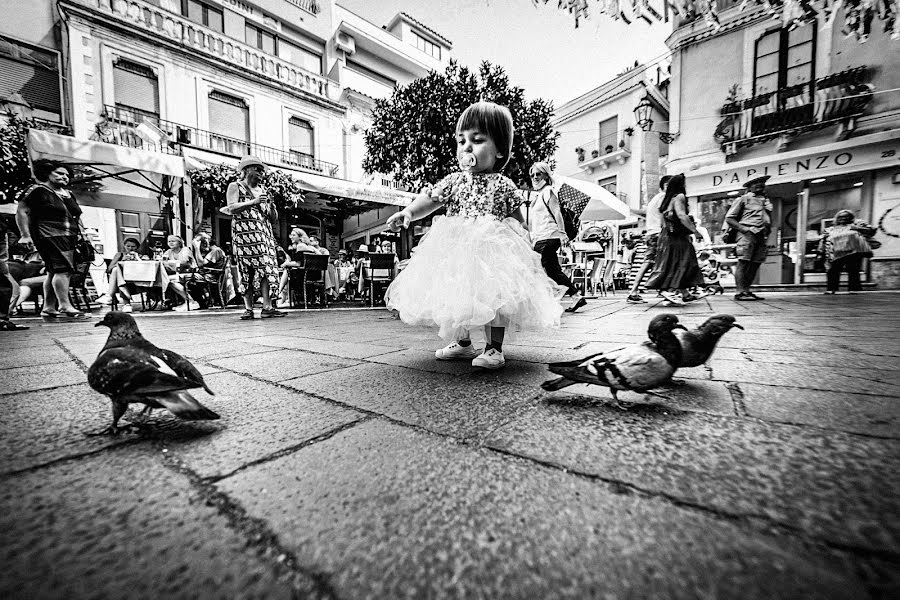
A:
(588, 201)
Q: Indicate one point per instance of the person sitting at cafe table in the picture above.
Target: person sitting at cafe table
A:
(331, 274)
(299, 243)
(177, 260)
(117, 283)
(210, 262)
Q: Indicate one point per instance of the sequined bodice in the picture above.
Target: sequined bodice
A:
(477, 195)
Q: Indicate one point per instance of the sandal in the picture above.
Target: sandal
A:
(75, 315)
(6, 325)
(248, 315)
(581, 302)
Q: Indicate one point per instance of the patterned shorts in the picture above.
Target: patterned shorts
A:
(652, 241)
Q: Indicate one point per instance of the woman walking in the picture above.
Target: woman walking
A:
(48, 217)
(676, 269)
(545, 223)
(251, 233)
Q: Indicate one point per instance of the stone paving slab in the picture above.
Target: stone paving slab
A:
(102, 527)
(799, 375)
(336, 347)
(46, 425)
(845, 360)
(25, 379)
(282, 364)
(423, 517)
(692, 395)
(434, 401)
(854, 413)
(28, 355)
(258, 419)
(834, 486)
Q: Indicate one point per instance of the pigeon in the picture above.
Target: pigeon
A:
(638, 368)
(130, 369)
(697, 344)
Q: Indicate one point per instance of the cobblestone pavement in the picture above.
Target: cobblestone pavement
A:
(348, 463)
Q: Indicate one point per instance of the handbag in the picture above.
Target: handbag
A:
(83, 251)
(729, 235)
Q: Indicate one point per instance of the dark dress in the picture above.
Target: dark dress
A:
(676, 261)
(53, 224)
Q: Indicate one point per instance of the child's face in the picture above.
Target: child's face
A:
(478, 143)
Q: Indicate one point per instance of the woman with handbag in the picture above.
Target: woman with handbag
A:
(676, 269)
(48, 217)
(844, 246)
(252, 214)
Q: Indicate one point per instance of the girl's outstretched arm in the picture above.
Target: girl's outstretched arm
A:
(422, 206)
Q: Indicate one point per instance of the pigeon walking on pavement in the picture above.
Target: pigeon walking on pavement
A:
(130, 369)
(639, 368)
(697, 344)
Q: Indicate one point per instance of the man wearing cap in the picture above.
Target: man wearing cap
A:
(751, 215)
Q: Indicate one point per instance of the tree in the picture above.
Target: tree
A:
(412, 132)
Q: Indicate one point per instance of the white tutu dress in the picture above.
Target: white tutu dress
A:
(475, 267)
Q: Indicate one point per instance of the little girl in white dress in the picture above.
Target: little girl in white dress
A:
(475, 267)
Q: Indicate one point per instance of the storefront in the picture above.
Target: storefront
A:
(807, 187)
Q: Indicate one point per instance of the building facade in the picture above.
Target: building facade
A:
(601, 142)
(290, 81)
(816, 110)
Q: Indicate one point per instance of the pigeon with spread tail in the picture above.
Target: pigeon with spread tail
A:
(130, 369)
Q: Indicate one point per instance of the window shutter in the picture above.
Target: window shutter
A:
(229, 116)
(300, 136)
(37, 85)
(135, 86)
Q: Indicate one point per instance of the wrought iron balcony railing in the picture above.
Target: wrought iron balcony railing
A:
(795, 109)
(121, 125)
(203, 41)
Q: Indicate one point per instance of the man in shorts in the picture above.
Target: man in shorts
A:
(651, 239)
(751, 215)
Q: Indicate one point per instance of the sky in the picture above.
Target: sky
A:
(539, 46)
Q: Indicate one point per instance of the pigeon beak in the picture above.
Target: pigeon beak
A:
(738, 326)
(99, 323)
(679, 326)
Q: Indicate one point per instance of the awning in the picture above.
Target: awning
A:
(349, 189)
(44, 144)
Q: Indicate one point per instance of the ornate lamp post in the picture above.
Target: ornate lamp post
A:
(642, 113)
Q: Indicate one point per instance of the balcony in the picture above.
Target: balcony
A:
(202, 41)
(138, 129)
(605, 157)
(835, 99)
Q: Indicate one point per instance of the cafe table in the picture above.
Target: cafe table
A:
(146, 274)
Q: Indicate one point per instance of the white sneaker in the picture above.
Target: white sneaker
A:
(104, 300)
(126, 307)
(672, 297)
(489, 359)
(456, 352)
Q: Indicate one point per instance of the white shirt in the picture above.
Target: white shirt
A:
(541, 223)
(654, 217)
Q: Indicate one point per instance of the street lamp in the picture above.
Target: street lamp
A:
(642, 114)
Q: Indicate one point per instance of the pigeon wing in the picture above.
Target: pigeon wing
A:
(641, 368)
(129, 371)
(695, 347)
(181, 404)
(183, 368)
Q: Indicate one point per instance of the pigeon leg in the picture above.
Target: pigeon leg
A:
(618, 403)
(119, 409)
(677, 382)
(658, 395)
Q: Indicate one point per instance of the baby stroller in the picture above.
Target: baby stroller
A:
(709, 267)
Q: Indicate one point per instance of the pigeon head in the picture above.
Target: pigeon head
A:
(664, 323)
(121, 325)
(718, 325)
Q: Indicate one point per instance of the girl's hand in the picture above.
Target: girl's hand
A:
(399, 220)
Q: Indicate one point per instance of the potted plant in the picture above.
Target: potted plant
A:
(595, 153)
(609, 148)
(580, 152)
(621, 143)
(629, 131)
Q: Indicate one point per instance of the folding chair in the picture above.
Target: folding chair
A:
(78, 292)
(375, 272)
(605, 275)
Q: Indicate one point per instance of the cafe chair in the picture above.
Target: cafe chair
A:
(311, 274)
(379, 270)
(78, 292)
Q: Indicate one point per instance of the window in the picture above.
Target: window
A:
(136, 91)
(34, 74)
(428, 47)
(260, 38)
(609, 184)
(370, 73)
(784, 59)
(300, 136)
(301, 57)
(609, 135)
(207, 15)
(229, 123)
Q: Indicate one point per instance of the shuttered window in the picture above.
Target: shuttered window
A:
(136, 90)
(33, 73)
(303, 58)
(229, 116)
(300, 136)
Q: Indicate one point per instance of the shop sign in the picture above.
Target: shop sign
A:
(801, 167)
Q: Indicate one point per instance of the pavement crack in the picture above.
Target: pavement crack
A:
(81, 364)
(291, 449)
(260, 538)
(737, 399)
